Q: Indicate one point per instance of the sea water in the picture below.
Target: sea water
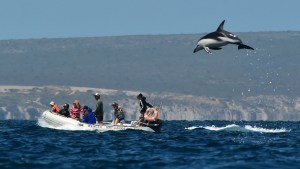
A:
(180, 144)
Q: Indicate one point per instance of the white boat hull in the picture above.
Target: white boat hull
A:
(58, 120)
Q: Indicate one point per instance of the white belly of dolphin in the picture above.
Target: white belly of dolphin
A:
(211, 43)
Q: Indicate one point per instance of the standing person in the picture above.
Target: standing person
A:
(54, 107)
(76, 110)
(99, 109)
(65, 110)
(119, 114)
(143, 106)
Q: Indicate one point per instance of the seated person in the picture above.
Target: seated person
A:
(76, 110)
(119, 114)
(88, 116)
(65, 111)
(54, 107)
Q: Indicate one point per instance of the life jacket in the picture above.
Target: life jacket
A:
(55, 108)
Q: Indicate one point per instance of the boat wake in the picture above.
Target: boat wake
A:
(234, 127)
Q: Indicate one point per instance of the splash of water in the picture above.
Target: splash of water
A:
(264, 130)
(234, 127)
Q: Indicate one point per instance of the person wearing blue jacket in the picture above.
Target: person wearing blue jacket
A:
(88, 116)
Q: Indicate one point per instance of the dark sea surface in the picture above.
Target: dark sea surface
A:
(180, 144)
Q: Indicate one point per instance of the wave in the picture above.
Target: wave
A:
(234, 127)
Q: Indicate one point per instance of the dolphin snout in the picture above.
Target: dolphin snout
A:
(197, 48)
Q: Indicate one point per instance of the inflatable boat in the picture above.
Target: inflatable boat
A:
(57, 120)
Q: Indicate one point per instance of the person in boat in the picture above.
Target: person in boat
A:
(143, 106)
(119, 114)
(76, 110)
(54, 107)
(65, 110)
(99, 109)
(88, 115)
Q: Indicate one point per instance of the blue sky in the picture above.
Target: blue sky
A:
(23, 19)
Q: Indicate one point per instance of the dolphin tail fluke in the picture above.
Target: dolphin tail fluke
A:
(243, 46)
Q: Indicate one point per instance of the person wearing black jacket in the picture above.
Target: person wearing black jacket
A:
(143, 106)
(65, 110)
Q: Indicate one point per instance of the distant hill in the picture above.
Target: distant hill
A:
(28, 102)
(229, 84)
(162, 63)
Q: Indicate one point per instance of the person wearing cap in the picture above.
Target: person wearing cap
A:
(76, 110)
(99, 109)
(88, 115)
(54, 107)
(65, 110)
(119, 114)
(143, 106)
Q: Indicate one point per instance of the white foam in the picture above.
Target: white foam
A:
(193, 127)
(214, 128)
(234, 127)
(264, 130)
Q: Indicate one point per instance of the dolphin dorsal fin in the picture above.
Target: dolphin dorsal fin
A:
(220, 28)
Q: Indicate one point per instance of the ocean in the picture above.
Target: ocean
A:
(180, 144)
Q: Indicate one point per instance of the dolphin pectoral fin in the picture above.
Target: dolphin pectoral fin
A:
(215, 48)
(207, 50)
(243, 46)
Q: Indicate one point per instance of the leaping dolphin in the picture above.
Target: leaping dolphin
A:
(220, 37)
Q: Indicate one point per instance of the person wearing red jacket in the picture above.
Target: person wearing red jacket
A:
(55, 107)
(76, 110)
